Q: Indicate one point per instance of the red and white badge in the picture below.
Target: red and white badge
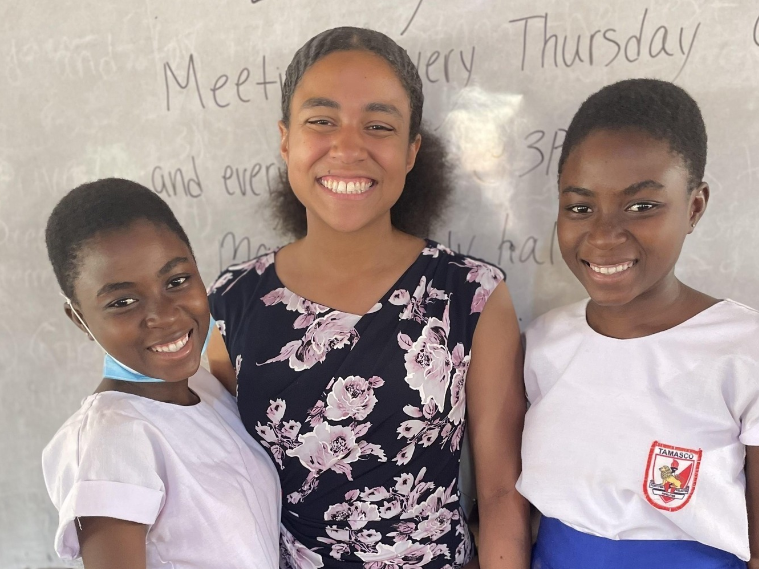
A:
(671, 475)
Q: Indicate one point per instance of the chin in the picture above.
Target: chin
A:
(178, 373)
(610, 299)
(347, 226)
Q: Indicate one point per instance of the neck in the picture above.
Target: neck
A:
(175, 392)
(656, 310)
(347, 253)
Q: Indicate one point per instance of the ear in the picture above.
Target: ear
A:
(73, 317)
(413, 150)
(699, 199)
(284, 141)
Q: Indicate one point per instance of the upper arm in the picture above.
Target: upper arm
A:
(108, 543)
(219, 362)
(496, 402)
(752, 501)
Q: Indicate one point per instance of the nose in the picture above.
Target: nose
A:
(348, 145)
(161, 312)
(606, 232)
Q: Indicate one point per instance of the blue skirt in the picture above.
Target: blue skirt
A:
(561, 547)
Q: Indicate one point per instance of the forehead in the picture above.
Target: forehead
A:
(352, 76)
(131, 254)
(619, 158)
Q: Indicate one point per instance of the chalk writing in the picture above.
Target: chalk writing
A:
(528, 251)
(509, 249)
(445, 66)
(242, 181)
(221, 93)
(412, 17)
(602, 46)
(433, 68)
(174, 183)
(534, 140)
(72, 58)
(233, 250)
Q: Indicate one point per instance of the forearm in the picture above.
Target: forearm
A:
(504, 537)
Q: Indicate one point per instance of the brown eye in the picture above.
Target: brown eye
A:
(177, 281)
(579, 209)
(641, 207)
(122, 303)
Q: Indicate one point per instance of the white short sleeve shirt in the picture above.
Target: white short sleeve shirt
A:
(205, 488)
(643, 438)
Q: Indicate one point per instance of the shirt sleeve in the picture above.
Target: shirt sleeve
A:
(750, 424)
(106, 464)
(744, 397)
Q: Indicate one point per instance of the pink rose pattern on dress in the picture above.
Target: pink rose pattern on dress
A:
(337, 429)
(259, 264)
(488, 278)
(420, 508)
(330, 332)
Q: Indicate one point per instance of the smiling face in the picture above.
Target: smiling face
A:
(624, 213)
(142, 297)
(347, 145)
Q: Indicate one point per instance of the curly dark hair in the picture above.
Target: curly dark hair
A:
(97, 207)
(428, 188)
(659, 108)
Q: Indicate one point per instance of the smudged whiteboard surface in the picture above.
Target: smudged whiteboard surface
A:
(184, 97)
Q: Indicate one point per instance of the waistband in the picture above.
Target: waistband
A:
(562, 547)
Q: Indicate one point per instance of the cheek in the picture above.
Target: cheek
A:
(567, 235)
(305, 148)
(120, 336)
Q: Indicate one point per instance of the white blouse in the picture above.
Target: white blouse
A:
(643, 438)
(208, 492)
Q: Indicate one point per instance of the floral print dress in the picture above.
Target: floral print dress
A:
(363, 416)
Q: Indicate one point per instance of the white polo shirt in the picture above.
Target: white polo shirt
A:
(208, 492)
(643, 438)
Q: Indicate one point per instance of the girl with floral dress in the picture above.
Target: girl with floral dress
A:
(360, 352)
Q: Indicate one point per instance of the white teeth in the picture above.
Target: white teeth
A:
(173, 346)
(612, 269)
(341, 187)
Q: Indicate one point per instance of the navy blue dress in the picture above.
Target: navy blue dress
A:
(362, 415)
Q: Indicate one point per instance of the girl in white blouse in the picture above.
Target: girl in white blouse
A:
(643, 434)
(155, 469)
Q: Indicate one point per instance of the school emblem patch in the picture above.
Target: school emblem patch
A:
(671, 476)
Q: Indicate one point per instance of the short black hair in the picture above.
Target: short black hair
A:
(94, 208)
(429, 185)
(661, 109)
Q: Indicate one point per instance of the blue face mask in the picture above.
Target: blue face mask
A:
(114, 369)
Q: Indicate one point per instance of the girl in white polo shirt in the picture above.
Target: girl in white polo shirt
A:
(155, 469)
(641, 439)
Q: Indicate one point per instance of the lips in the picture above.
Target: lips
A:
(346, 185)
(172, 346)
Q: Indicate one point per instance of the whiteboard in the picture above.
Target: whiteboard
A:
(183, 96)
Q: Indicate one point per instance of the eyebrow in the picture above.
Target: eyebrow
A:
(644, 185)
(383, 108)
(113, 287)
(314, 102)
(167, 268)
(628, 191)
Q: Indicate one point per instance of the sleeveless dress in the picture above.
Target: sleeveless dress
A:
(363, 416)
